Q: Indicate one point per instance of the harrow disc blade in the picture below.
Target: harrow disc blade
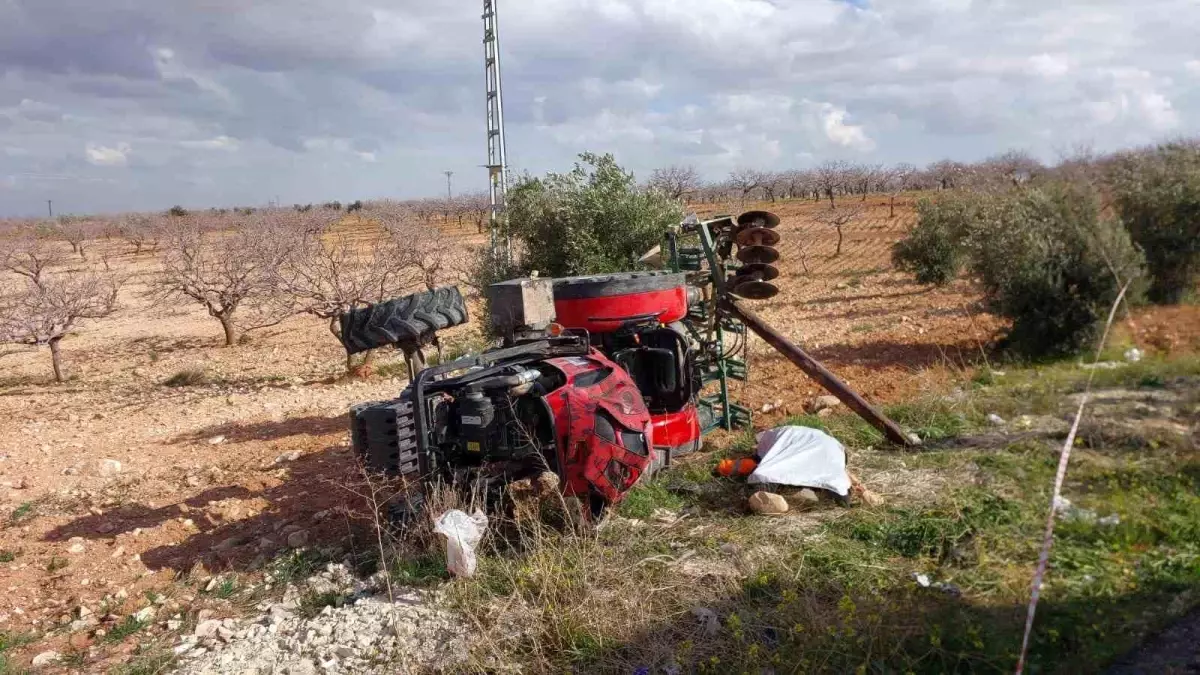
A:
(757, 236)
(757, 254)
(758, 219)
(757, 272)
(755, 290)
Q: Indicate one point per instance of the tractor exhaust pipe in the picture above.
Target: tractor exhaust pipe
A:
(818, 372)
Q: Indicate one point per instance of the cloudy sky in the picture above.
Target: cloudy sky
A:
(109, 105)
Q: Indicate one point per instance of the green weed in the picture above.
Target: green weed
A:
(648, 496)
(22, 513)
(428, 569)
(124, 629)
(312, 602)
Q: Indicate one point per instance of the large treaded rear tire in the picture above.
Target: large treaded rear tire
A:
(406, 322)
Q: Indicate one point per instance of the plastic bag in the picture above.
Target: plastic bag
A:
(463, 533)
(801, 457)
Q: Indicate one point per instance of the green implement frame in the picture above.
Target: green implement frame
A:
(709, 326)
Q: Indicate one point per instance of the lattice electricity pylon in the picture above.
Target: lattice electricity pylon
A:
(497, 164)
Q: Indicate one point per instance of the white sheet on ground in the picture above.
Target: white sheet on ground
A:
(802, 457)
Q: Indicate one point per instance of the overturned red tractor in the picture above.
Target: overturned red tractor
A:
(597, 379)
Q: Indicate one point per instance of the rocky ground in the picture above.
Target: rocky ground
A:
(367, 630)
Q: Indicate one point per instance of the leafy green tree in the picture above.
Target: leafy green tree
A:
(590, 220)
(1042, 255)
(1156, 193)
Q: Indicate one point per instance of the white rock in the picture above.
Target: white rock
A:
(108, 467)
(216, 440)
(767, 503)
(76, 546)
(808, 495)
(995, 420)
(207, 628)
(144, 615)
(1133, 354)
(46, 658)
(823, 402)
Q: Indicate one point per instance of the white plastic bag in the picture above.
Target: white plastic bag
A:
(463, 534)
(802, 457)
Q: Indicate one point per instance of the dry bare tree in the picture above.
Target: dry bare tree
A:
(331, 271)
(948, 174)
(76, 231)
(830, 177)
(677, 181)
(896, 180)
(140, 232)
(797, 182)
(772, 183)
(43, 309)
(478, 206)
(745, 181)
(230, 274)
(865, 177)
(837, 218)
(1012, 168)
(30, 255)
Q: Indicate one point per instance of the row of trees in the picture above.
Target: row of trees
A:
(247, 272)
(1053, 252)
(842, 179)
(143, 231)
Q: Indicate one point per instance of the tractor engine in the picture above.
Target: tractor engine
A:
(544, 401)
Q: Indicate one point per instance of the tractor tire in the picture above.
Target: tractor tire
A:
(408, 322)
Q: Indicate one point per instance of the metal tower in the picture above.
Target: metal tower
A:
(497, 165)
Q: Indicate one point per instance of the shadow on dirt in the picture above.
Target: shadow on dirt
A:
(913, 356)
(312, 425)
(239, 527)
(839, 299)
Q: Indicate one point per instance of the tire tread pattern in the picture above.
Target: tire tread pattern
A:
(406, 322)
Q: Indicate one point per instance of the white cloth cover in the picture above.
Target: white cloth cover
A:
(802, 457)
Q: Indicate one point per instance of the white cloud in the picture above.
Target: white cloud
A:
(101, 155)
(218, 143)
(833, 121)
(1192, 66)
(1049, 66)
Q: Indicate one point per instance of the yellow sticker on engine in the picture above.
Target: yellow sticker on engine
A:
(473, 446)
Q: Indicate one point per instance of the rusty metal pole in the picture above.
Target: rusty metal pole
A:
(818, 372)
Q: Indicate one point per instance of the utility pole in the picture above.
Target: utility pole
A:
(449, 195)
(50, 208)
(497, 165)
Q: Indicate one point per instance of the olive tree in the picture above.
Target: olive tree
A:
(592, 219)
(1156, 193)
